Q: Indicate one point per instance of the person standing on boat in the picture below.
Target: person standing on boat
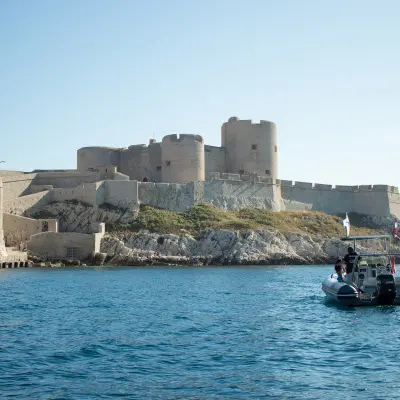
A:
(339, 272)
(349, 259)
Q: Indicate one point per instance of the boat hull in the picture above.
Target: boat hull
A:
(348, 295)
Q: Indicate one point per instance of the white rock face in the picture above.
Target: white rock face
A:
(221, 246)
(77, 217)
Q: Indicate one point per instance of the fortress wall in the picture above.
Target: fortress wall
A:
(371, 202)
(169, 196)
(122, 194)
(89, 193)
(32, 202)
(142, 161)
(17, 185)
(214, 159)
(364, 199)
(237, 194)
(19, 229)
(96, 156)
(69, 179)
(135, 162)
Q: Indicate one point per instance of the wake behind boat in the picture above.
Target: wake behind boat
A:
(370, 278)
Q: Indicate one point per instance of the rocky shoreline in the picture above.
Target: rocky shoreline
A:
(211, 247)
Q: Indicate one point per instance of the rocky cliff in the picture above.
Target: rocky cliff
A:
(220, 247)
(208, 235)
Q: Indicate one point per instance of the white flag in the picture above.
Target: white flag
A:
(346, 225)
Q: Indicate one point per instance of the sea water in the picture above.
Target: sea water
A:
(190, 333)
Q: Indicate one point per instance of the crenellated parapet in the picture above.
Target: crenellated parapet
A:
(337, 188)
(250, 147)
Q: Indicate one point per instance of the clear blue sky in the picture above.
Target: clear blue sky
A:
(91, 72)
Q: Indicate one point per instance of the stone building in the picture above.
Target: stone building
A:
(246, 148)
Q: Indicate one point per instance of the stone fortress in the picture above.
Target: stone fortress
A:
(173, 174)
(246, 148)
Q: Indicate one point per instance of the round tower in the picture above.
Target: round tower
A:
(182, 158)
(93, 157)
(250, 147)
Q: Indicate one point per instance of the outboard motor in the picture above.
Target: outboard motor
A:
(386, 288)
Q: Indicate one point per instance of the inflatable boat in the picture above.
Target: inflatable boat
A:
(372, 279)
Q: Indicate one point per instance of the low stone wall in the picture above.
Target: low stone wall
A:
(89, 193)
(19, 229)
(66, 245)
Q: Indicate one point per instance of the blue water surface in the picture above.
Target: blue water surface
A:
(190, 333)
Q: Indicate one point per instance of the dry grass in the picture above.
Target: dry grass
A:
(203, 216)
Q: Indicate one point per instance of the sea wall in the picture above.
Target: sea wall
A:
(364, 199)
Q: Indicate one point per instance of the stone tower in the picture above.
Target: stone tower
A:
(96, 156)
(182, 158)
(250, 147)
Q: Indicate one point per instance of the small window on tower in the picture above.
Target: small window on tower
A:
(267, 172)
(254, 146)
(241, 171)
(158, 167)
(276, 148)
(167, 163)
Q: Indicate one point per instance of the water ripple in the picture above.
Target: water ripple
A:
(190, 333)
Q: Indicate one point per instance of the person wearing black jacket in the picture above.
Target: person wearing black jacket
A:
(349, 259)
